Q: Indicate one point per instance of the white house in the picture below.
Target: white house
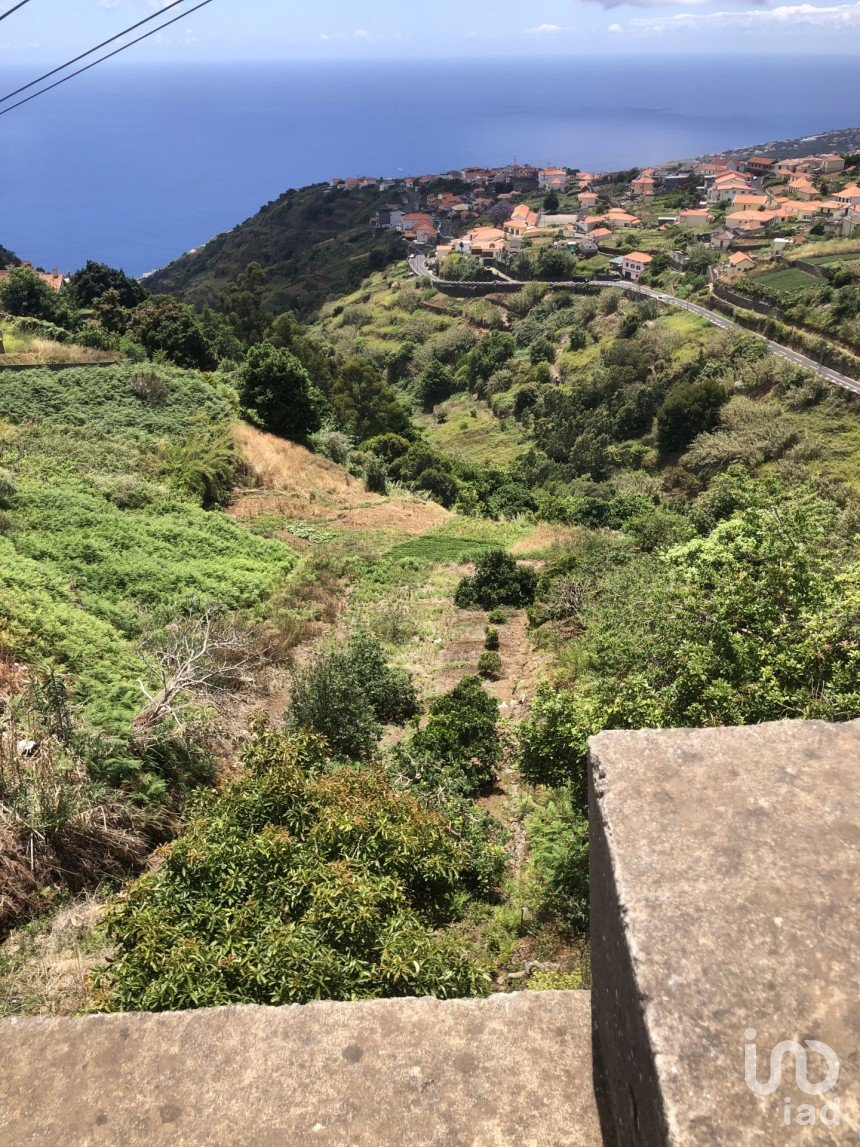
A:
(634, 264)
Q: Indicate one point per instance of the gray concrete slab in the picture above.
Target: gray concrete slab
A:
(511, 1069)
(725, 867)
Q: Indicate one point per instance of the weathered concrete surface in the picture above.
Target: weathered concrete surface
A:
(512, 1069)
(725, 876)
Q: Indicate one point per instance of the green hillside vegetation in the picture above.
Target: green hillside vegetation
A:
(312, 243)
(535, 516)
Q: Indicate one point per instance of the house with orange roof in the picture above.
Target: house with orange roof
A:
(748, 202)
(587, 199)
(726, 187)
(848, 196)
(642, 187)
(749, 222)
(740, 261)
(830, 163)
(618, 219)
(802, 187)
(634, 263)
(53, 279)
(418, 225)
(553, 179)
(484, 243)
(760, 164)
(694, 217)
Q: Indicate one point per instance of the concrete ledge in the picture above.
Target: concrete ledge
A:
(725, 865)
(511, 1069)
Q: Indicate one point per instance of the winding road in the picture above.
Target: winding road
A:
(418, 266)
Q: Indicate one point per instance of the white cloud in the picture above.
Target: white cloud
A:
(545, 30)
(615, 28)
(829, 18)
(361, 34)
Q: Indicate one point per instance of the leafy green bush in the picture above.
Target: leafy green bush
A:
(461, 735)
(497, 617)
(489, 664)
(690, 409)
(491, 640)
(347, 695)
(375, 475)
(557, 834)
(498, 580)
(300, 880)
(754, 622)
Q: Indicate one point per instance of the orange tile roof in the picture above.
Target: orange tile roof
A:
(638, 257)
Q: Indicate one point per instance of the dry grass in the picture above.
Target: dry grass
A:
(45, 968)
(289, 480)
(38, 352)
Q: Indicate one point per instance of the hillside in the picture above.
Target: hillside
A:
(311, 243)
(331, 618)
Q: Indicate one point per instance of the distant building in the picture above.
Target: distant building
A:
(553, 179)
(740, 261)
(760, 164)
(634, 264)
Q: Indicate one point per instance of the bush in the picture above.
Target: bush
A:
(489, 664)
(690, 409)
(491, 640)
(498, 580)
(439, 485)
(497, 617)
(348, 695)
(375, 475)
(461, 734)
(300, 880)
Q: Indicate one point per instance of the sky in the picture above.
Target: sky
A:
(54, 30)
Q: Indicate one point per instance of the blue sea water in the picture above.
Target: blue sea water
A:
(133, 165)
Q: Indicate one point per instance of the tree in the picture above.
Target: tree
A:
(498, 580)
(275, 388)
(168, 329)
(243, 303)
(23, 293)
(551, 202)
(689, 410)
(96, 279)
(364, 404)
(435, 385)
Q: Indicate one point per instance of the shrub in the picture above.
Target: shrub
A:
(497, 617)
(491, 641)
(439, 485)
(347, 695)
(489, 664)
(461, 734)
(300, 880)
(375, 475)
(333, 444)
(498, 580)
(690, 409)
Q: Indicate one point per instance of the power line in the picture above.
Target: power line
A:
(15, 9)
(83, 55)
(101, 59)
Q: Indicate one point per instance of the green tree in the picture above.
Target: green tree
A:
(551, 202)
(690, 409)
(171, 330)
(364, 404)
(23, 293)
(96, 279)
(498, 580)
(243, 304)
(276, 389)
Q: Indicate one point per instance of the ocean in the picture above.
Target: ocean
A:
(133, 165)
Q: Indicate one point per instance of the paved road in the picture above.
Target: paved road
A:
(418, 265)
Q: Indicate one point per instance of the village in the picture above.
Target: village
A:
(730, 215)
